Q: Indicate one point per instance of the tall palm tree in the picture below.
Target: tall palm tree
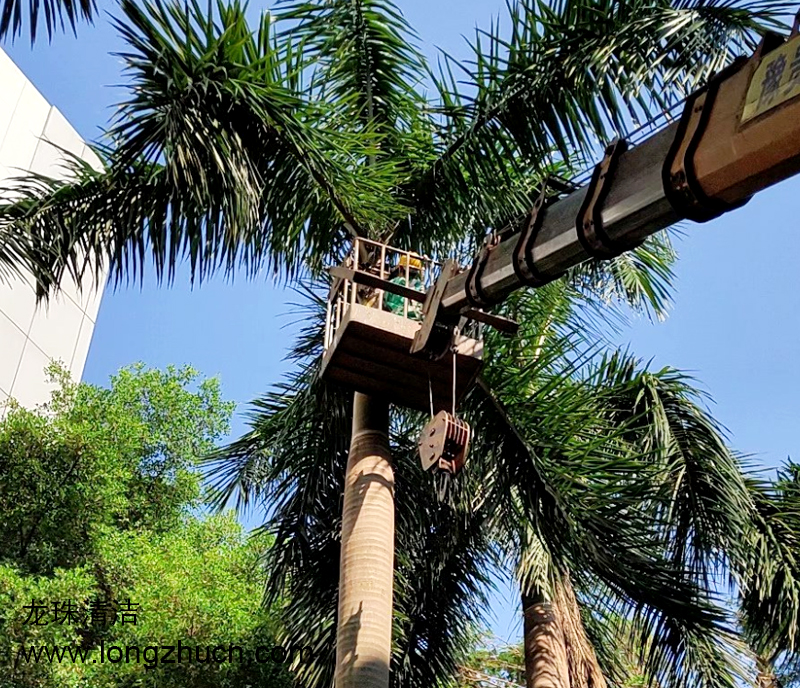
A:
(560, 475)
(242, 148)
(709, 518)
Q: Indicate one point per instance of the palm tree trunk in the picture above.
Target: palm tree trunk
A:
(545, 648)
(558, 653)
(364, 631)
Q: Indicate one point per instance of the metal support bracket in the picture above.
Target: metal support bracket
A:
(369, 280)
(522, 258)
(589, 223)
(681, 187)
(476, 295)
(498, 322)
(435, 335)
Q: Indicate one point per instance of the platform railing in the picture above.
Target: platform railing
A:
(385, 262)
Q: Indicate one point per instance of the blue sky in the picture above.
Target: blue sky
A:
(734, 325)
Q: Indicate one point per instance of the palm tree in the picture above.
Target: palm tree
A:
(241, 148)
(709, 518)
(560, 476)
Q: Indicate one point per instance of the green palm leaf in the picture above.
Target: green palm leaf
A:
(564, 77)
(56, 14)
(217, 160)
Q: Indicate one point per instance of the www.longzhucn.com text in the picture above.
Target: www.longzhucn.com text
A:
(154, 655)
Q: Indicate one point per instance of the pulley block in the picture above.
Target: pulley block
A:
(444, 443)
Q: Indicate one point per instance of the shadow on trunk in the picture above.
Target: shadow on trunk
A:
(364, 632)
(557, 652)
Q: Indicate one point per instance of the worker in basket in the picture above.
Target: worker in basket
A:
(395, 303)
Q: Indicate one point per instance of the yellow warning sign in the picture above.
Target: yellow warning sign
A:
(776, 80)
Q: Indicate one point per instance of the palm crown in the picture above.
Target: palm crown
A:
(241, 148)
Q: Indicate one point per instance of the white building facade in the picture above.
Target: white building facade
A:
(32, 336)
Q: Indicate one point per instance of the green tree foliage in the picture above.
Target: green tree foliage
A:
(55, 15)
(121, 457)
(99, 497)
(492, 665)
(770, 577)
(240, 146)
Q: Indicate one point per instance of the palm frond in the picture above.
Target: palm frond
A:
(636, 642)
(14, 253)
(769, 570)
(215, 158)
(704, 505)
(641, 278)
(366, 66)
(362, 54)
(564, 77)
(57, 15)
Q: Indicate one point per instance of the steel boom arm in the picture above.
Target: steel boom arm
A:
(737, 136)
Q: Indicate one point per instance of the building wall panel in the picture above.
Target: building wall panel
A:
(32, 132)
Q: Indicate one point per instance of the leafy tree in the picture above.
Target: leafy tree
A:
(769, 578)
(120, 457)
(240, 148)
(199, 584)
(100, 496)
(493, 666)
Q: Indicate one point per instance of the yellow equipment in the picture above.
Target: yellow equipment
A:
(737, 135)
(368, 348)
(412, 263)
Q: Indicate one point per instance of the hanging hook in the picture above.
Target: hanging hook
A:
(430, 392)
(453, 348)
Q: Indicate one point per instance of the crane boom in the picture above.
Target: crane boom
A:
(735, 137)
(738, 135)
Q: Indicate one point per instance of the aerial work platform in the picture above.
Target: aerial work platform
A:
(369, 353)
(369, 333)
